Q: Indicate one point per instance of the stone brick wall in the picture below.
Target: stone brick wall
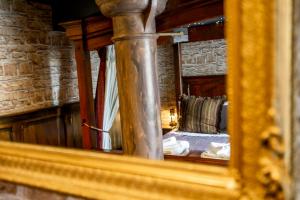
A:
(296, 101)
(198, 59)
(38, 70)
(166, 79)
(204, 58)
(10, 191)
(37, 65)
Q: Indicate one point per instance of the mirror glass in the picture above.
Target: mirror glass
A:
(192, 78)
(39, 100)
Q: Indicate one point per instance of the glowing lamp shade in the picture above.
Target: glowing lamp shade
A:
(172, 118)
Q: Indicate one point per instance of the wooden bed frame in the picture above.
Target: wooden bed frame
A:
(206, 86)
(95, 33)
(197, 159)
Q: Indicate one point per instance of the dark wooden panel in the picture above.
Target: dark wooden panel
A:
(165, 40)
(97, 30)
(206, 86)
(208, 32)
(56, 126)
(47, 131)
(72, 125)
(65, 10)
(6, 134)
(182, 12)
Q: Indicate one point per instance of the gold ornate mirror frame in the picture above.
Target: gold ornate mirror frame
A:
(257, 164)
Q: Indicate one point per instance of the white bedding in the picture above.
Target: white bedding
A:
(198, 142)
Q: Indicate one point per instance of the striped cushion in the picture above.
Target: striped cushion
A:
(190, 113)
(211, 115)
(193, 114)
(200, 114)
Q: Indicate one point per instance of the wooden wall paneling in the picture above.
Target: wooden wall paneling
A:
(10, 129)
(43, 128)
(17, 132)
(100, 94)
(205, 86)
(6, 134)
(46, 131)
(72, 125)
(206, 32)
(60, 128)
(55, 126)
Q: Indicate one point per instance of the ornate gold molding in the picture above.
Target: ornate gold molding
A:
(256, 169)
(251, 38)
(103, 176)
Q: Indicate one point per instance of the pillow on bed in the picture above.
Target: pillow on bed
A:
(189, 106)
(193, 114)
(200, 114)
(211, 114)
(223, 121)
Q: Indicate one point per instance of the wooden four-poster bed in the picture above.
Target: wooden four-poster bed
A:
(95, 33)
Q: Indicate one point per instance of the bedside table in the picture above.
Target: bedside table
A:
(166, 129)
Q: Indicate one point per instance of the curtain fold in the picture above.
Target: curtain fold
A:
(111, 102)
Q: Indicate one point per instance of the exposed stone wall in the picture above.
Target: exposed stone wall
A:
(166, 79)
(37, 65)
(204, 58)
(296, 101)
(10, 191)
(198, 59)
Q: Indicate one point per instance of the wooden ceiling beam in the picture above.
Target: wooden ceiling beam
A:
(98, 30)
(95, 31)
(206, 32)
(187, 12)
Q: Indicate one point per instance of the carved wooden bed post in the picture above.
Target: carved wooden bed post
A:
(82, 55)
(135, 44)
(100, 94)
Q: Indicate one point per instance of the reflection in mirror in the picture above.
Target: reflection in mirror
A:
(38, 81)
(42, 80)
(192, 75)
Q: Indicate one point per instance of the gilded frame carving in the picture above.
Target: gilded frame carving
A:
(257, 165)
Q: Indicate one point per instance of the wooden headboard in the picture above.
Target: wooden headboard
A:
(205, 86)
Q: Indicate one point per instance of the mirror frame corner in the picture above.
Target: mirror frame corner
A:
(252, 126)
